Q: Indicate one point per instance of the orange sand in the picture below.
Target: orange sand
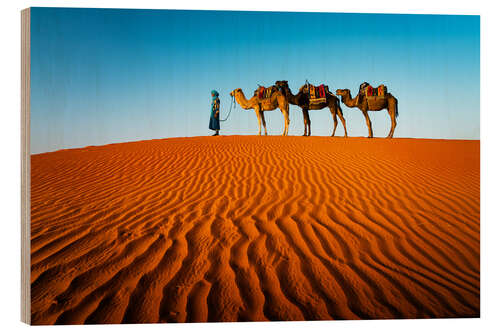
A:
(246, 228)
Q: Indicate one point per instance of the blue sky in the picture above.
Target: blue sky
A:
(101, 76)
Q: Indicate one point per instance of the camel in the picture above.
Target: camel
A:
(388, 102)
(260, 105)
(302, 101)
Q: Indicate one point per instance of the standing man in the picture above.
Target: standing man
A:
(214, 115)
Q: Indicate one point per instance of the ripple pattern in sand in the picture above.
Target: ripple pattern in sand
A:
(255, 228)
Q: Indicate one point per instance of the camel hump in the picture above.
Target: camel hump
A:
(263, 92)
(363, 86)
(381, 90)
(316, 91)
(369, 91)
(316, 94)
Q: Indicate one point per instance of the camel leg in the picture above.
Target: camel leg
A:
(257, 112)
(334, 115)
(263, 122)
(284, 110)
(392, 114)
(392, 107)
(305, 114)
(341, 116)
(368, 123)
(287, 122)
(308, 124)
(287, 119)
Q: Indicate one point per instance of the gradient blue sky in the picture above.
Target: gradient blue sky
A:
(100, 76)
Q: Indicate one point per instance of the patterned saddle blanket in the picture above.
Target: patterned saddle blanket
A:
(263, 92)
(317, 94)
(371, 94)
(369, 91)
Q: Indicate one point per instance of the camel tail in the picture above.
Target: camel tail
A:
(395, 104)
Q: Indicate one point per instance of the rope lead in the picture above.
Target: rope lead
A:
(230, 108)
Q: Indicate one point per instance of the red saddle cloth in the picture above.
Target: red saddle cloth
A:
(261, 91)
(381, 90)
(322, 91)
(266, 92)
(318, 91)
(369, 91)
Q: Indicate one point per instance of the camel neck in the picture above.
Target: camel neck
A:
(291, 97)
(242, 101)
(347, 99)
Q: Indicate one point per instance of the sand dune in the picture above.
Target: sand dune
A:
(245, 228)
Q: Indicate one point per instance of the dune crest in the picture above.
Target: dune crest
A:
(248, 228)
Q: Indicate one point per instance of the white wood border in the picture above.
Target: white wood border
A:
(25, 168)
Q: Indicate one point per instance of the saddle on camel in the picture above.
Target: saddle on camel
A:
(316, 94)
(371, 93)
(263, 92)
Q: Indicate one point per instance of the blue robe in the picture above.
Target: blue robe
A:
(214, 120)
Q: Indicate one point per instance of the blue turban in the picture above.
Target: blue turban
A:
(215, 94)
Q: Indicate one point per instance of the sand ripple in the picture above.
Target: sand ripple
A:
(255, 228)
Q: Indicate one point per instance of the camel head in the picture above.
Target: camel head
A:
(233, 93)
(283, 86)
(341, 92)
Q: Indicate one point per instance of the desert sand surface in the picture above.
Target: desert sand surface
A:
(248, 228)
